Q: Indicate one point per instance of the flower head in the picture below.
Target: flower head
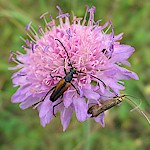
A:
(80, 43)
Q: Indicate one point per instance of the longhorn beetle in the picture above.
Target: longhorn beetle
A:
(65, 82)
(95, 110)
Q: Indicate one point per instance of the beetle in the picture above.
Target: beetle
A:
(65, 82)
(96, 109)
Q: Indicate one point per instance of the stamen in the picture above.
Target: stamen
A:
(10, 57)
(48, 82)
(32, 47)
(97, 22)
(16, 61)
(23, 46)
(77, 19)
(21, 74)
(31, 38)
(23, 39)
(27, 43)
(40, 30)
(36, 45)
(111, 48)
(84, 20)
(112, 28)
(34, 32)
(28, 26)
(18, 53)
(63, 15)
(69, 33)
(51, 17)
(60, 11)
(46, 48)
(50, 24)
(107, 29)
(43, 15)
(91, 18)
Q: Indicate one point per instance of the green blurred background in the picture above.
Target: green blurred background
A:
(21, 130)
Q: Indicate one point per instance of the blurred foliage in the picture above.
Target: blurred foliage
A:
(20, 130)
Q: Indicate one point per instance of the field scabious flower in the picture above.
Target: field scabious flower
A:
(92, 49)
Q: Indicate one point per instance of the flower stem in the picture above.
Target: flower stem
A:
(87, 145)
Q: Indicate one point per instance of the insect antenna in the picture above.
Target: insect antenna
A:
(66, 52)
(130, 96)
(93, 77)
(140, 110)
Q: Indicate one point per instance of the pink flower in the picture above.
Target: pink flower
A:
(91, 50)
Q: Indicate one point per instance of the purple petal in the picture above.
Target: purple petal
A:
(80, 108)
(110, 82)
(65, 115)
(128, 74)
(21, 94)
(46, 106)
(118, 37)
(101, 86)
(45, 112)
(121, 53)
(100, 119)
(90, 94)
(29, 102)
(68, 98)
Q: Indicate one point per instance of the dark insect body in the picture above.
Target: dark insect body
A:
(63, 85)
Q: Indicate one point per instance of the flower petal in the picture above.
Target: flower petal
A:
(121, 53)
(90, 94)
(65, 115)
(29, 102)
(21, 94)
(80, 108)
(127, 73)
(45, 112)
(67, 98)
(100, 119)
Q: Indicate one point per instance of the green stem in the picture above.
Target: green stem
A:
(87, 145)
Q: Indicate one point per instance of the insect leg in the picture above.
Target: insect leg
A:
(93, 77)
(75, 88)
(98, 79)
(55, 76)
(55, 106)
(65, 70)
(45, 96)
